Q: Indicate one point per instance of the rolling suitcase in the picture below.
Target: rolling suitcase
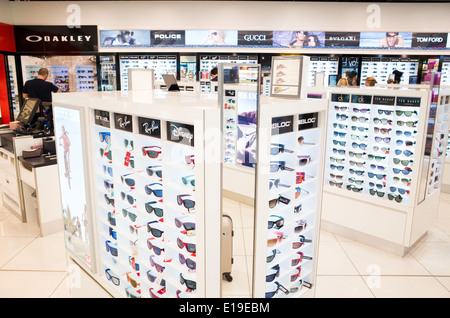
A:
(226, 248)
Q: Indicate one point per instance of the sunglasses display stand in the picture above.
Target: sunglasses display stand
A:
(152, 182)
(289, 184)
(444, 99)
(378, 158)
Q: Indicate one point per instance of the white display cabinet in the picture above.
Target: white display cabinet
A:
(289, 176)
(155, 191)
(444, 165)
(379, 158)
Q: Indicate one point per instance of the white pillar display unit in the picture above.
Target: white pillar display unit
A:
(441, 150)
(288, 197)
(156, 192)
(377, 167)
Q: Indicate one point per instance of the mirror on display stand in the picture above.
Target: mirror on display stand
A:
(238, 97)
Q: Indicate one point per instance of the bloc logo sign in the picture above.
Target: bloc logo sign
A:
(308, 121)
(282, 125)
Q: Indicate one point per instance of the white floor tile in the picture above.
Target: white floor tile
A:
(43, 253)
(10, 246)
(325, 236)
(12, 226)
(332, 260)
(435, 257)
(62, 291)
(248, 215)
(239, 286)
(371, 261)
(342, 287)
(29, 284)
(409, 287)
(445, 281)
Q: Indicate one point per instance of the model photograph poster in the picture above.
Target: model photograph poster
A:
(385, 39)
(126, 38)
(72, 183)
(211, 38)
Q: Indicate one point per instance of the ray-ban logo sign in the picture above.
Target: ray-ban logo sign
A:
(150, 127)
(123, 122)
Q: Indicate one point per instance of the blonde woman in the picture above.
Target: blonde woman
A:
(342, 82)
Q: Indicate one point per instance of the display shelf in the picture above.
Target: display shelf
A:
(288, 196)
(381, 68)
(375, 165)
(326, 65)
(152, 190)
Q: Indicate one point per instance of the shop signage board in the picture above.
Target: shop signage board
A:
(56, 39)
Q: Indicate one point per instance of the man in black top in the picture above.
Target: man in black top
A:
(40, 88)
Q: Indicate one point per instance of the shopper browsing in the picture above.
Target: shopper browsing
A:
(40, 88)
(214, 74)
(370, 81)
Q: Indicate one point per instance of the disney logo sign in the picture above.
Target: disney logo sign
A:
(181, 133)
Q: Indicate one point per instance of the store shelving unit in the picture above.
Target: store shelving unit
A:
(377, 188)
(289, 196)
(381, 68)
(155, 192)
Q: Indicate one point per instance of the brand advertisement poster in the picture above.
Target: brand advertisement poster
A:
(211, 37)
(296, 39)
(125, 38)
(386, 39)
(72, 183)
(246, 139)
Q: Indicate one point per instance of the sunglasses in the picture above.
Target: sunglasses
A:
(341, 108)
(115, 280)
(187, 261)
(339, 151)
(361, 129)
(154, 231)
(296, 275)
(341, 116)
(407, 123)
(186, 222)
(357, 155)
(271, 277)
(381, 168)
(152, 278)
(161, 292)
(355, 163)
(158, 193)
(360, 146)
(405, 152)
(405, 171)
(275, 222)
(127, 143)
(397, 197)
(383, 121)
(272, 255)
(379, 176)
(301, 141)
(129, 197)
(157, 250)
(274, 202)
(357, 172)
(277, 183)
(189, 246)
(190, 159)
(106, 154)
(189, 180)
(352, 187)
(301, 225)
(300, 258)
(279, 165)
(358, 137)
(151, 151)
(128, 181)
(151, 170)
(407, 143)
(406, 113)
(355, 181)
(404, 162)
(108, 170)
(105, 136)
(384, 131)
(299, 190)
(190, 284)
(383, 111)
(132, 216)
(304, 160)
(111, 249)
(111, 219)
(109, 200)
(337, 184)
(406, 133)
(334, 176)
(400, 190)
(275, 149)
(187, 203)
(341, 126)
(108, 185)
(149, 208)
(302, 240)
(339, 168)
(132, 281)
(402, 180)
(360, 119)
(332, 159)
(279, 287)
(273, 241)
(362, 110)
(341, 143)
(376, 192)
(159, 268)
(339, 134)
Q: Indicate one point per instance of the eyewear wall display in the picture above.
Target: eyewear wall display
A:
(374, 151)
(141, 243)
(294, 176)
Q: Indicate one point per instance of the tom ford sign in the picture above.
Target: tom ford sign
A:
(56, 39)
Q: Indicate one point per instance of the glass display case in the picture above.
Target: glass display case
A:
(108, 80)
(288, 197)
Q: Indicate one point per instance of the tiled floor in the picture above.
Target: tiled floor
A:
(34, 266)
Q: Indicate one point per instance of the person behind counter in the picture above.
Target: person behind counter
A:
(39, 87)
(370, 81)
(214, 74)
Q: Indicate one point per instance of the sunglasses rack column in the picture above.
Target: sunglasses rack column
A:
(289, 187)
(440, 140)
(180, 213)
(375, 154)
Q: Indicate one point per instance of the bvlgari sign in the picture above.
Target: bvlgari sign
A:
(56, 39)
